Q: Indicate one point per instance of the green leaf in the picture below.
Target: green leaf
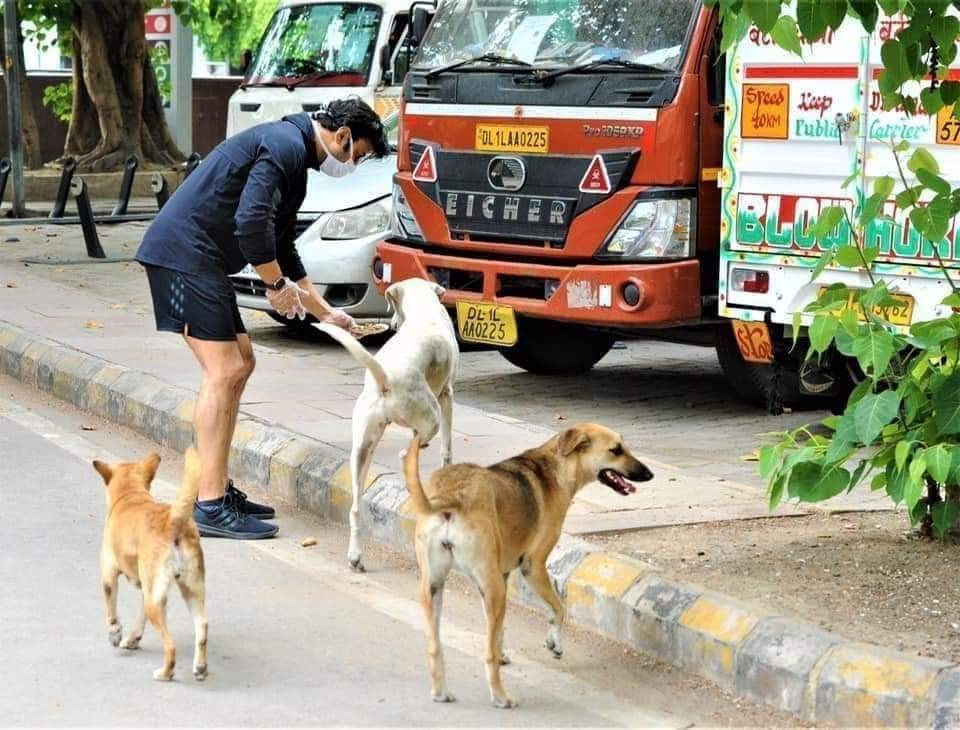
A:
(873, 413)
(735, 26)
(938, 463)
(849, 322)
(769, 457)
(797, 319)
(860, 391)
(871, 207)
(776, 491)
(945, 516)
(910, 196)
(849, 256)
(838, 451)
(883, 186)
(895, 65)
(803, 477)
(913, 486)
(952, 300)
(763, 12)
(847, 429)
(825, 258)
(828, 221)
(834, 12)
(933, 220)
(921, 159)
(932, 334)
(784, 34)
(919, 510)
(930, 100)
(902, 452)
(946, 405)
(945, 29)
(936, 183)
(832, 481)
(950, 92)
(873, 349)
(868, 12)
(811, 19)
(896, 483)
(822, 330)
(879, 481)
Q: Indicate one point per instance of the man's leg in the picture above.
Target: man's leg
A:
(226, 366)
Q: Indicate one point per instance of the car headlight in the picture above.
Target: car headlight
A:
(404, 222)
(369, 220)
(654, 228)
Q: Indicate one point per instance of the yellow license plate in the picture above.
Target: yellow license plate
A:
(753, 340)
(900, 314)
(491, 324)
(513, 138)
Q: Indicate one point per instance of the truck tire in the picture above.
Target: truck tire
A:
(548, 348)
(756, 383)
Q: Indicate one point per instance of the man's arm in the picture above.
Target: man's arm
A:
(256, 218)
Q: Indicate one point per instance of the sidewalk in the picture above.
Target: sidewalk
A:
(96, 347)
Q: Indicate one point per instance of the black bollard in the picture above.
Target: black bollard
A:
(126, 186)
(158, 184)
(5, 168)
(192, 161)
(66, 175)
(79, 189)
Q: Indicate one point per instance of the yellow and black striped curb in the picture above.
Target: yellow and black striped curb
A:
(769, 659)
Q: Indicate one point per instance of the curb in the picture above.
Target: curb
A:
(771, 660)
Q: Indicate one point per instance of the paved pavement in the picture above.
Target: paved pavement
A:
(669, 401)
(295, 639)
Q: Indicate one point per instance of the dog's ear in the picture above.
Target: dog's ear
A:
(104, 470)
(393, 294)
(438, 289)
(573, 439)
(150, 466)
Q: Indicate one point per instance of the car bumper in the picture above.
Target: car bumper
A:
(592, 294)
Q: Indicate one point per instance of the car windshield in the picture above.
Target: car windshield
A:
(551, 33)
(325, 44)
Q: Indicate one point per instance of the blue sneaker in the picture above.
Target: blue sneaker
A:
(260, 511)
(225, 518)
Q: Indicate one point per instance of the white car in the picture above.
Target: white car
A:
(339, 224)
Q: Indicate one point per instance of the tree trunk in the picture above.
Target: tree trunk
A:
(117, 110)
(32, 157)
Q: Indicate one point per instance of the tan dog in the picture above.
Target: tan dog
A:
(488, 521)
(153, 545)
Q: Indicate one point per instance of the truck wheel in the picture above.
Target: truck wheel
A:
(755, 383)
(548, 348)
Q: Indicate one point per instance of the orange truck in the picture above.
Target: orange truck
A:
(558, 175)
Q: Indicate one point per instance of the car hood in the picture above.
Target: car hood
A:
(372, 180)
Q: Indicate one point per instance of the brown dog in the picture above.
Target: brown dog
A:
(487, 522)
(153, 545)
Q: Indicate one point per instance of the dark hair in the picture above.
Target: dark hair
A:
(362, 121)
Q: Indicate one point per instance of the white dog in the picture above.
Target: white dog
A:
(409, 382)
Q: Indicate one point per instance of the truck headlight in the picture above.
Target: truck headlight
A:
(654, 228)
(367, 220)
(404, 222)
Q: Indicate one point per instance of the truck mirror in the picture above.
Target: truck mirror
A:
(386, 73)
(420, 21)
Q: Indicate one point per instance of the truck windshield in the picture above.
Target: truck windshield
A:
(551, 33)
(323, 44)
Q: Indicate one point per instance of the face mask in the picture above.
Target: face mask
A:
(337, 168)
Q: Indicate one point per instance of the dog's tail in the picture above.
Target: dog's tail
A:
(359, 352)
(411, 472)
(181, 511)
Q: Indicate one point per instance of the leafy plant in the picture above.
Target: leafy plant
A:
(901, 424)
(59, 99)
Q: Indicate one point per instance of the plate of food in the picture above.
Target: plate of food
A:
(365, 329)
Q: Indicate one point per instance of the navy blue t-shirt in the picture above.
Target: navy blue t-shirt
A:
(239, 206)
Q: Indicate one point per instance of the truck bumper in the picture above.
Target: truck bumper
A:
(663, 295)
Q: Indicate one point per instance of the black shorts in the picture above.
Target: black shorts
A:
(202, 305)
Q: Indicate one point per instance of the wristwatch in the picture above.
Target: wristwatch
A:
(278, 284)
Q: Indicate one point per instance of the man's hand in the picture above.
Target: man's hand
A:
(287, 301)
(340, 319)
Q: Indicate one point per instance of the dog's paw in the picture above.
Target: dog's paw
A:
(162, 675)
(556, 650)
(131, 642)
(443, 697)
(504, 703)
(505, 660)
(200, 672)
(115, 633)
(356, 565)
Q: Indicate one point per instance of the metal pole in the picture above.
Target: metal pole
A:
(126, 186)
(66, 175)
(158, 184)
(13, 75)
(79, 189)
(4, 174)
